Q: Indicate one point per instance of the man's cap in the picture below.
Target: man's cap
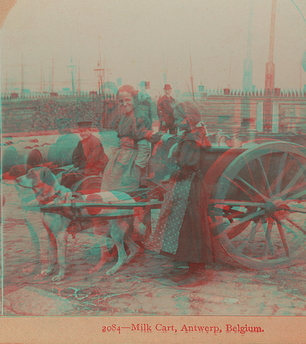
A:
(84, 124)
(167, 87)
(63, 120)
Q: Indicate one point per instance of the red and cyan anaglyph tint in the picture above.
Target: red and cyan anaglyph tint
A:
(153, 159)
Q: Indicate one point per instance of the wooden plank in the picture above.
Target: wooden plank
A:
(80, 205)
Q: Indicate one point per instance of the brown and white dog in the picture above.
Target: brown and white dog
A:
(47, 190)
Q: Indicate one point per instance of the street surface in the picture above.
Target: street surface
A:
(142, 287)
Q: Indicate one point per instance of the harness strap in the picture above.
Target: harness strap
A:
(48, 199)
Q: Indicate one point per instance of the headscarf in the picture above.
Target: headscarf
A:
(129, 89)
(190, 111)
(196, 131)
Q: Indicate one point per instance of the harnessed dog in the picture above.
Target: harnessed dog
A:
(47, 191)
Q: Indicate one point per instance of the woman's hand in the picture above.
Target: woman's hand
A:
(73, 170)
(172, 150)
(167, 178)
(143, 154)
(165, 137)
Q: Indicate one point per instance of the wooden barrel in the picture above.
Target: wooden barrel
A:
(9, 158)
(33, 157)
(60, 153)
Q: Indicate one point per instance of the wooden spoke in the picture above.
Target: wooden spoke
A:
(297, 226)
(282, 170)
(241, 188)
(263, 172)
(252, 188)
(254, 228)
(237, 230)
(231, 210)
(286, 227)
(211, 213)
(228, 217)
(287, 191)
(266, 162)
(297, 210)
(218, 227)
(282, 225)
(297, 195)
(250, 173)
(247, 218)
(283, 237)
(276, 184)
(291, 184)
(233, 214)
(268, 242)
(236, 203)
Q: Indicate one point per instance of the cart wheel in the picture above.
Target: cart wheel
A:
(92, 183)
(257, 210)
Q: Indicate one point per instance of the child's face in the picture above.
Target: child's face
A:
(85, 133)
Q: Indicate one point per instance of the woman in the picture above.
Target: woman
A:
(124, 169)
(182, 228)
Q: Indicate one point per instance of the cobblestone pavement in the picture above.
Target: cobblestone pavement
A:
(142, 287)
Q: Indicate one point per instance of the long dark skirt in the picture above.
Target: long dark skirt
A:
(194, 245)
(187, 239)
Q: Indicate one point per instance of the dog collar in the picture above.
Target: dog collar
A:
(47, 200)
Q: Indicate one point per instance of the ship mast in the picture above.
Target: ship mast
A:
(73, 71)
(270, 67)
(22, 80)
(79, 78)
(191, 75)
(99, 72)
(52, 74)
(41, 79)
(248, 64)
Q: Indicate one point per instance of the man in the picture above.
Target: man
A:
(144, 103)
(88, 158)
(110, 116)
(165, 106)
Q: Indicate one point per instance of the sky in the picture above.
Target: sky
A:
(142, 40)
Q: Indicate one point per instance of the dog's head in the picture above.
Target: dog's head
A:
(35, 177)
(41, 181)
(15, 172)
(44, 184)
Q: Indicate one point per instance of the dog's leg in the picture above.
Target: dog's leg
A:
(35, 244)
(134, 249)
(105, 256)
(47, 263)
(32, 220)
(48, 248)
(52, 254)
(99, 229)
(103, 242)
(118, 229)
(140, 228)
(61, 248)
